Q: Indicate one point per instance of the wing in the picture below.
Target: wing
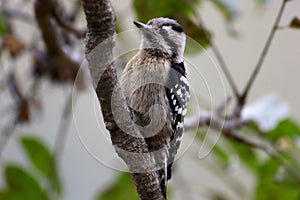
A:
(177, 91)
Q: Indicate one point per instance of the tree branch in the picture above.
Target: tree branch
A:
(59, 64)
(57, 14)
(262, 55)
(129, 144)
(217, 53)
(43, 11)
(62, 132)
(228, 129)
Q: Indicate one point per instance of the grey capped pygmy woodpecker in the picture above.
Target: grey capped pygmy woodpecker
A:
(156, 89)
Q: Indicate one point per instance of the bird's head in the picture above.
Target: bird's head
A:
(164, 34)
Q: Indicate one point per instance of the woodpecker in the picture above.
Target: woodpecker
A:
(156, 89)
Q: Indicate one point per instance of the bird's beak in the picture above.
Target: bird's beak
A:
(141, 26)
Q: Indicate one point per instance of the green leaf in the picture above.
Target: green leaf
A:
(226, 9)
(267, 188)
(285, 178)
(9, 195)
(3, 195)
(295, 23)
(22, 185)
(181, 11)
(39, 154)
(122, 189)
(42, 159)
(286, 128)
(247, 155)
(222, 155)
(3, 26)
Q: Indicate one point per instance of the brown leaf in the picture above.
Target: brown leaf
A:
(295, 23)
(14, 45)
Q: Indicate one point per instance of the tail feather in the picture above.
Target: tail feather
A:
(169, 171)
(163, 181)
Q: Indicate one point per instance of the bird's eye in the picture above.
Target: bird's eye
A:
(150, 23)
(163, 31)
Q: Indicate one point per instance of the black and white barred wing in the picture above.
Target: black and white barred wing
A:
(177, 91)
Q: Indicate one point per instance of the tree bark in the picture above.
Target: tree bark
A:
(127, 140)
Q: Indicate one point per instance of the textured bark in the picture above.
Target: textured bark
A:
(125, 137)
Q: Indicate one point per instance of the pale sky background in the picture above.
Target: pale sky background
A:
(83, 175)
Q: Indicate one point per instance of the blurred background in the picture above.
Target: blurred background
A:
(52, 134)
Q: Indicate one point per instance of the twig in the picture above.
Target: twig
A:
(60, 140)
(62, 131)
(9, 129)
(220, 109)
(63, 66)
(217, 53)
(68, 27)
(201, 118)
(225, 69)
(279, 159)
(15, 91)
(42, 14)
(5, 135)
(262, 55)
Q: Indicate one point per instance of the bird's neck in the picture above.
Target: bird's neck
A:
(162, 53)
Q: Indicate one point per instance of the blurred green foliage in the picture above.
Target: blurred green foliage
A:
(285, 129)
(23, 184)
(121, 189)
(267, 188)
(3, 25)
(42, 159)
(273, 181)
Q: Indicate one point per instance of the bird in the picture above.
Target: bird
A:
(156, 89)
